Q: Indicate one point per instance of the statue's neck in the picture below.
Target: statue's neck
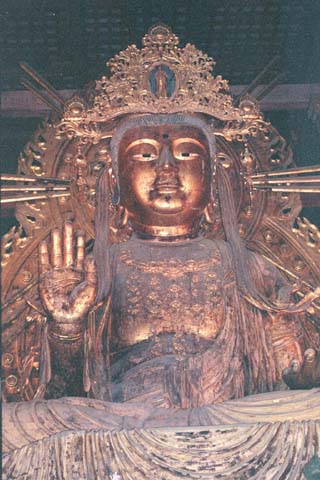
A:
(166, 233)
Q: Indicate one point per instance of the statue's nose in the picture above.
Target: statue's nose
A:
(166, 161)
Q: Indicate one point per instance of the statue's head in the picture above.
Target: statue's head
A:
(163, 166)
(157, 101)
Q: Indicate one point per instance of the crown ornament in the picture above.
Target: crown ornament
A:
(159, 78)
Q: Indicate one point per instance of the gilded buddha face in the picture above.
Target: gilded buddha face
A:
(165, 178)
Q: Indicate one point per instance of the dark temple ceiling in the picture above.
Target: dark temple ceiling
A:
(69, 41)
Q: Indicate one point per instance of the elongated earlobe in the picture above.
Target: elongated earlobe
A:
(122, 217)
(115, 195)
(209, 214)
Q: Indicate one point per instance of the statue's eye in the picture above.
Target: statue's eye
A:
(143, 151)
(186, 149)
(144, 156)
(186, 155)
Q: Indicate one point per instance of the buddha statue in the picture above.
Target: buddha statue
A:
(169, 327)
(191, 321)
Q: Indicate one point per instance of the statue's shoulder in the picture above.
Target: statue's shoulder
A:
(218, 249)
(217, 245)
(130, 246)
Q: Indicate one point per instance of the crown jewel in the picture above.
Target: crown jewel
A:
(159, 78)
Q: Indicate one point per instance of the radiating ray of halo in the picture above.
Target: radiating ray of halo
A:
(33, 188)
(28, 85)
(19, 294)
(9, 177)
(26, 198)
(289, 189)
(291, 274)
(41, 188)
(42, 82)
(290, 171)
(270, 86)
(290, 180)
(258, 79)
(295, 277)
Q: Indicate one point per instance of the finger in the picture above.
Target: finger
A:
(80, 250)
(292, 375)
(44, 257)
(56, 251)
(291, 378)
(295, 366)
(309, 366)
(68, 244)
(90, 270)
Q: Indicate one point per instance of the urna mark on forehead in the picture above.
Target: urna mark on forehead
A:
(145, 121)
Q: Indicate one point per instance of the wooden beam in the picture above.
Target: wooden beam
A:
(283, 97)
(23, 104)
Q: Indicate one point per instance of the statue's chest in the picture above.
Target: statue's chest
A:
(168, 290)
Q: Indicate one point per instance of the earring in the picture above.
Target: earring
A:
(209, 214)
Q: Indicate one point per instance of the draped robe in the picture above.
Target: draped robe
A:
(182, 334)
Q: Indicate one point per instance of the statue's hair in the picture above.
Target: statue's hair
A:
(241, 255)
(101, 249)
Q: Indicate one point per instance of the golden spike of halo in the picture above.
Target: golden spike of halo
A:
(270, 86)
(42, 82)
(290, 180)
(289, 189)
(294, 277)
(19, 294)
(26, 198)
(258, 79)
(41, 96)
(291, 171)
(33, 188)
(285, 270)
(11, 177)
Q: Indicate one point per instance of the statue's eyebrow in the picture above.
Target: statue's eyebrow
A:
(140, 141)
(178, 141)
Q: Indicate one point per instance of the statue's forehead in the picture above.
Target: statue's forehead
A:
(148, 122)
(163, 131)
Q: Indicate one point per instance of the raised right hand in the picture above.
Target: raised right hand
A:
(68, 283)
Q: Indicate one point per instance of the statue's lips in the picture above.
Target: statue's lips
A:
(167, 186)
(165, 189)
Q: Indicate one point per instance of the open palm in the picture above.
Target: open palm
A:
(67, 281)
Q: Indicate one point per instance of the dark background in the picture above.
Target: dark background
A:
(68, 42)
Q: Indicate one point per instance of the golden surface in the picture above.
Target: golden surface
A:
(164, 181)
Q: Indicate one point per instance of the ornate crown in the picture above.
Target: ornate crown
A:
(159, 78)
